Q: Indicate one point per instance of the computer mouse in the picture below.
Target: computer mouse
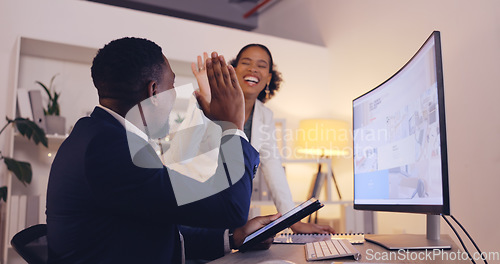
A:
(277, 261)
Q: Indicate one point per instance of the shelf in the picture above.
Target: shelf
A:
(53, 140)
(56, 139)
(57, 51)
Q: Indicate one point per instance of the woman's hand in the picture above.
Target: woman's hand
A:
(200, 73)
(309, 228)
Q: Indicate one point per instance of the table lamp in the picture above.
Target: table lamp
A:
(323, 138)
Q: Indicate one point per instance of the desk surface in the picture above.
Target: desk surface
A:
(371, 253)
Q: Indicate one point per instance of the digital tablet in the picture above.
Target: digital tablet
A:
(289, 218)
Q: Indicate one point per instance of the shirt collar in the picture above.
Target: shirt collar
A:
(125, 123)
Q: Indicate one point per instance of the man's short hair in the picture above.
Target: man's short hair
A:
(123, 67)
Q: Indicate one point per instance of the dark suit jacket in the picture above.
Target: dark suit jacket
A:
(101, 208)
(203, 243)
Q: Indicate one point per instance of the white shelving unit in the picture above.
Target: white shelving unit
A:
(39, 60)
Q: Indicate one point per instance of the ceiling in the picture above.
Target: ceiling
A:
(228, 13)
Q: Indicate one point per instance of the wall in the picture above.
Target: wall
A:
(370, 40)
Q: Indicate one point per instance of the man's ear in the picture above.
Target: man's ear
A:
(152, 88)
(152, 92)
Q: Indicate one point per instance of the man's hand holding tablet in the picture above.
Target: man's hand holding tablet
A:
(291, 217)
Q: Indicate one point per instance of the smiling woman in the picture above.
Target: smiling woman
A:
(254, 68)
(259, 80)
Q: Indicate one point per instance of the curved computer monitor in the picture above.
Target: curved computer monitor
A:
(399, 140)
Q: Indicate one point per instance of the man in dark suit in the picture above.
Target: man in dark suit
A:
(108, 204)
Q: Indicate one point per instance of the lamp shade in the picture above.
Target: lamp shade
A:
(323, 137)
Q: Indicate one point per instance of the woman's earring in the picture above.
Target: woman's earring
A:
(267, 92)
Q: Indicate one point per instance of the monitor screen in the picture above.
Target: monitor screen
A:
(399, 139)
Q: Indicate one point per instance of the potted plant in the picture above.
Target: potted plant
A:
(21, 169)
(55, 124)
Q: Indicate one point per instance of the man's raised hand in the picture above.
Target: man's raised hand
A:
(227, 102)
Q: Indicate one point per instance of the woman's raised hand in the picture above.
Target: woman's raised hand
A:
(200, 73)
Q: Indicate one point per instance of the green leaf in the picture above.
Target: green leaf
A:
(55, 104)
(52, 79)
(21, 169)
(52, 105)
(31, 130)
(46, 90)
(3, 193)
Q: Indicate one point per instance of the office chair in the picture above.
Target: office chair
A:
(31, 244)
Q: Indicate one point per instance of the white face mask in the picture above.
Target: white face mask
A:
(152, 114)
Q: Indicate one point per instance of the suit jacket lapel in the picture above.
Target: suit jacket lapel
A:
(100, 113)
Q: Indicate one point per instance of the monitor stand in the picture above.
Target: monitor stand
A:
(431, 240)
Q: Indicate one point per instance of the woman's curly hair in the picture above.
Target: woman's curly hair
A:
(276, 79)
